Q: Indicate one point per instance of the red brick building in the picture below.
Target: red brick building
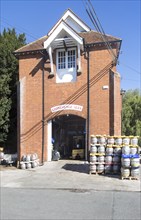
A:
(68, 89)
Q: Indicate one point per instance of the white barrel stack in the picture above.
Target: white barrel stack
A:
(114, 155)
(130, 160)
(29, 161)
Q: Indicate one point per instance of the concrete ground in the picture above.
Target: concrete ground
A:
(65, 174)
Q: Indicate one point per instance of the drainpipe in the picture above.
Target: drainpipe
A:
(43, 109)
(88, 105)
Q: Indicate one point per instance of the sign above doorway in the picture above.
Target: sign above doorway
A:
(67, 107)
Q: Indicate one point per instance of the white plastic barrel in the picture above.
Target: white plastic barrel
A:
(135, 162)
(109, 150)
(126, 150)
(93, 149)
(108, 159)
(101, 159)
(125, 172)
(126, 140)
(93, 158)
(110, 140)
(101, 149)
(125, 162)
(93, 139)
(100, 168)
(135, 172)
(134, 141)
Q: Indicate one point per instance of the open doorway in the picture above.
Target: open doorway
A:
(68, 135)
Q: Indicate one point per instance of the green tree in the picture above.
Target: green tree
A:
(9, 42)
(131, 117)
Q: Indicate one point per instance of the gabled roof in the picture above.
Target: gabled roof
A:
(71, 19)
(63, 26)
(90, 37)
(70, 29)
(33, 46)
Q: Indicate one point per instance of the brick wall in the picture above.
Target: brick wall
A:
(105, 106)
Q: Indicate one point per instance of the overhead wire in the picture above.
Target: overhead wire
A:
(94, 19)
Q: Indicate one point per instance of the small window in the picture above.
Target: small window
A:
(61, 60)
(66, 65)
(71, 59)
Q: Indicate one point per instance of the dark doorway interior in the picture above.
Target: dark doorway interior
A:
(68, 133)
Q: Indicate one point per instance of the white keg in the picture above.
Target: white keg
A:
(93, 139)
(118, 140)
(93, 158)
(102, 140)
(135, 172)
(101, 159)
(34, 164)
(117, 150)
(93, 149)
(100, 168)
(133, 150)
(108, 159)
(126, 150)
(22, 165)
(92, 168)
(28, 165)
(126, 140)
(28, 157)
(125, 172)
(134, 140)
(110, 140)
(135, 162)
(24, 158)
(101, 149)
(125, 162)
(33, 157)
(109, 150)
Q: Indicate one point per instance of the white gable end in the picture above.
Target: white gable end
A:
(63, 27)
(72, 20)
(73, 24)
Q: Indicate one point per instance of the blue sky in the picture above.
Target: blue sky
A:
(120, 18)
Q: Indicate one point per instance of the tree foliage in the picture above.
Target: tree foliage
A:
(131, 117)
(9, 42)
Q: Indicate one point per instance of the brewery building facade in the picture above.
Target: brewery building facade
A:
(68, 89)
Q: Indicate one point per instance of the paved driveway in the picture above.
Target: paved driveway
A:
(65, 174)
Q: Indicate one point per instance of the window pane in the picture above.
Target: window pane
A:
(71, 58)
(61, 60)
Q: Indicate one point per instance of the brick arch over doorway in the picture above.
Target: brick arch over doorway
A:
(68, 136)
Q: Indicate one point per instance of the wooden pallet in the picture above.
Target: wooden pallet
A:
(129, 178)
(96, 173)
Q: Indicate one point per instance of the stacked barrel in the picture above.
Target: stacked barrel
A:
(130, 160)
(97, 154)
(114, 155)
(29, 161)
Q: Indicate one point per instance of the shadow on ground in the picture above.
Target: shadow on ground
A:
(80, 168)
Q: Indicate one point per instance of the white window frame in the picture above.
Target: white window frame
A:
(66, 74)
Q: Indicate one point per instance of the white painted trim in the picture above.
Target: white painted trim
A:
(49, 141)
(67, 72)
(74, 17)
(79, 58)
(51, 59)
(70, 31)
